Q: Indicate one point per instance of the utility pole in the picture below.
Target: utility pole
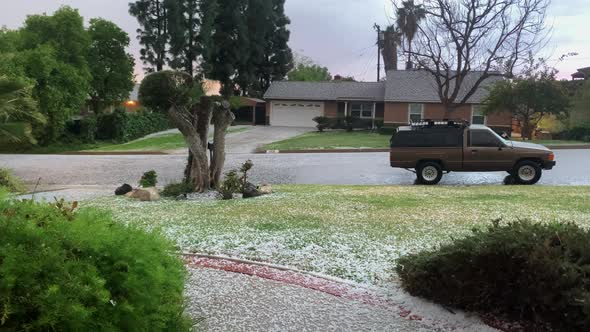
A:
(379, 44)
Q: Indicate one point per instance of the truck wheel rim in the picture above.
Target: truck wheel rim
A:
(526, 173)
(429, 173)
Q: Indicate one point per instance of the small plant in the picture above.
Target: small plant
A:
(149, 179)
(322, 123)
(177, 189)
(11, 182)
(67, 209)
(234, 183)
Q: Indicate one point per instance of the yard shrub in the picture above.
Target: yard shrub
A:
(523, 271)
(177, 189)
(11, 182)
(84, 273)
(88, 128)
(122, 126)
(322, 123)
(578, 133)
(149, 179)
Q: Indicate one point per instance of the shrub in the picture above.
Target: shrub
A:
(522, 270)
(11, 182)
(578, 133)
(322, 123)
(234, 183)
(122, 126)
(177, 189)
(149, 179)
(88, 128)
(84, 274)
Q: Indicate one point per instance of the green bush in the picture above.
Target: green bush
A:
(523, 271)
(578, 133)
(122, 126)
(85, 273)
(322, 123)
(11, 182)
(88, 128)
(149, 179)
(177, 189)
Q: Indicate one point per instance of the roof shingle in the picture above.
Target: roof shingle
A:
(326, 90)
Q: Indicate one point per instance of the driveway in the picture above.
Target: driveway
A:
(254, 138)
(345, 168)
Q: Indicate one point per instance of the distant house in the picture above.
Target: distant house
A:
(581, 74)
(406, 95)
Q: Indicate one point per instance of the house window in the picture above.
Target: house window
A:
(361, 110)
(477, 116)
(416, 112)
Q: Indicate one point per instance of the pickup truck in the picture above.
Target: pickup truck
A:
(432, 148)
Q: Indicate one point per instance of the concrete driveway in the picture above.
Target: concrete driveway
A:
(254, 138)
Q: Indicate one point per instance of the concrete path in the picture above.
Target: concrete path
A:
(226, 301)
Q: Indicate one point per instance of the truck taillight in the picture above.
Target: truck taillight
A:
(551, 157)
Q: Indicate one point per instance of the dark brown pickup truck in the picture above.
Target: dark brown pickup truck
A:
(431, 148)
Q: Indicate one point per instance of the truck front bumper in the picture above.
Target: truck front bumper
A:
(549, 165)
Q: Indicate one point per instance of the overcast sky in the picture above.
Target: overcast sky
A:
(337, 34)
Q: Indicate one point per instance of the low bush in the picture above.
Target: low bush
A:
(523, 271)
(177, 189)
(88, 127)
(11, 182)
(84, 273)
(149, 179)
(234, 182)
(578, 133)
(322, 123)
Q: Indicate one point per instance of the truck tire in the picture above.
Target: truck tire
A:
(429, 173)
(527, 172)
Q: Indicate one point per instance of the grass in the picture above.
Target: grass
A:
(158, 143)
(351, 232)
(332, 140)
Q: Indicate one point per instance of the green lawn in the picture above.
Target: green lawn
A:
(332, 140)
(356, 139)
(351, 232)
(159, 143)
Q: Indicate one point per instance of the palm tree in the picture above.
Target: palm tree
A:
(409, 16)
(18, 110)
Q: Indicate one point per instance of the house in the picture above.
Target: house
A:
(581, 74)
(406, 95)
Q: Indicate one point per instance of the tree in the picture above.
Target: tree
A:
(306, 70)
(52, 52)
(408, 19)
(529, 97)
(463, 43)
(389, 43)
(153, 34)
(17, 110)
(184, 25)
(110, 66)
(178, 95)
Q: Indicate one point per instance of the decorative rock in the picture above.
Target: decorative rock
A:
(145, 194)
(251, 191)
(124, 189)
(265, 189)
(181, 197)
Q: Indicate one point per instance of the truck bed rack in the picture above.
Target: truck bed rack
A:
(444, 123)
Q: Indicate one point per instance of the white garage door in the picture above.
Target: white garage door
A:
(295, 113)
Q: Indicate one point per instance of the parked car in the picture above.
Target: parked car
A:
(431, 148)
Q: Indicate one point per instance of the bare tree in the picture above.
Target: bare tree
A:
(462, 43)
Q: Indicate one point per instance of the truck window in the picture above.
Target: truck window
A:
(428, 138)
(483, 138)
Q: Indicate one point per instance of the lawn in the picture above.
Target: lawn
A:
(351, 232)
(332, 140)
(158, 143)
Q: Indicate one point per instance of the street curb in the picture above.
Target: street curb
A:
(552, 147)
(115, 153)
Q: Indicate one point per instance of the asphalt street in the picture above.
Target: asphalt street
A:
(573, 168)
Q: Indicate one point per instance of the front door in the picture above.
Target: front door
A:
(485, 152)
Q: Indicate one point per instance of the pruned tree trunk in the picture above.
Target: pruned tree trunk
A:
(201, 119)
(222, 119)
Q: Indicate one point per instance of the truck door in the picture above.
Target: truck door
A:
(485, 152)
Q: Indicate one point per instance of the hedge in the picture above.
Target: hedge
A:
(62, 270)
(521, 271)
(122, 126)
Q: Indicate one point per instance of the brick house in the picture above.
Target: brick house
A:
(406, 95)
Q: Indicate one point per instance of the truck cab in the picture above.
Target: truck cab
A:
(431, 148)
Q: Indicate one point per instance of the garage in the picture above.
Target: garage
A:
(295, 113)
